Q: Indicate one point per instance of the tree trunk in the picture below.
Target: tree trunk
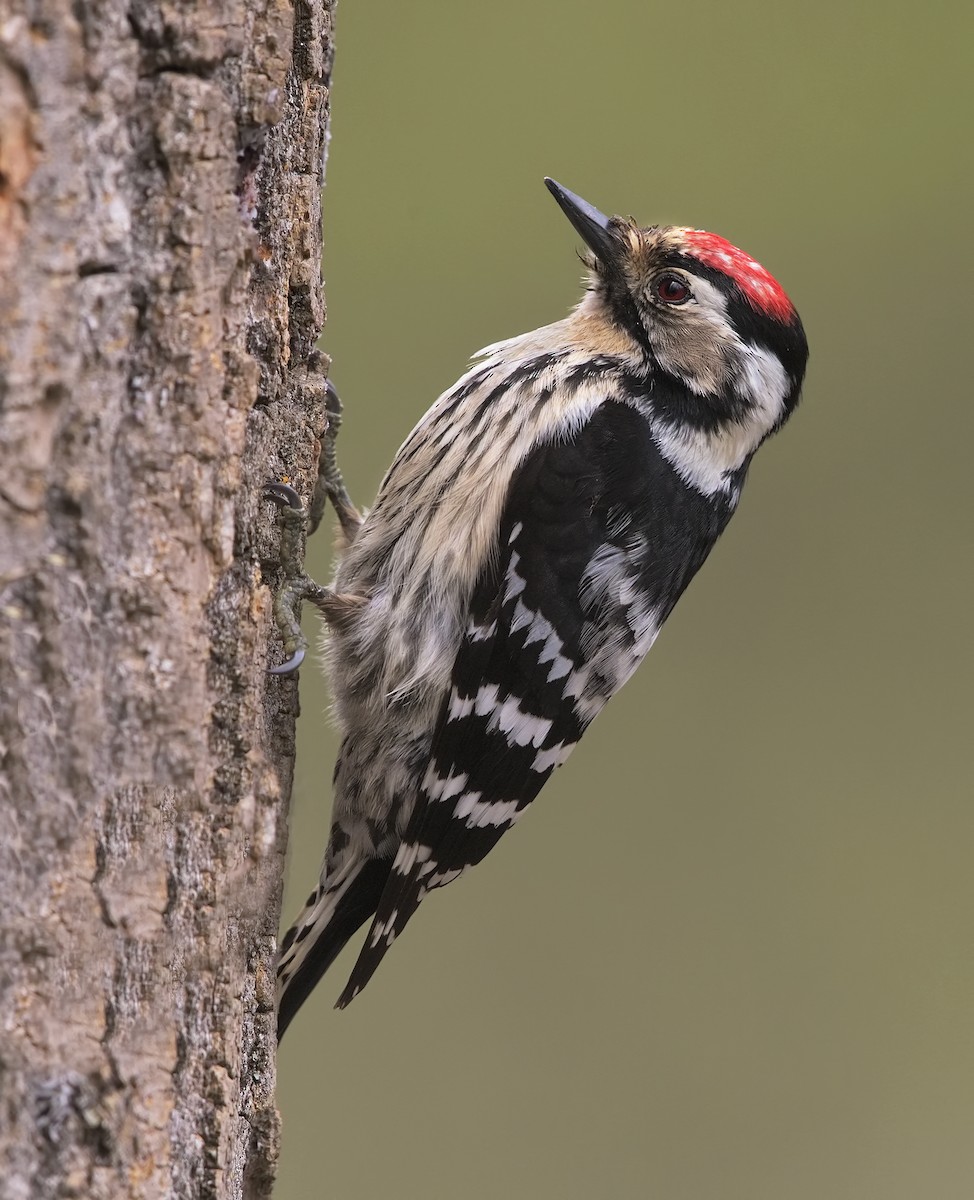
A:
(160, 171)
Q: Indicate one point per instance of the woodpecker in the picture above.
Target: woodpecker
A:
(532, 535)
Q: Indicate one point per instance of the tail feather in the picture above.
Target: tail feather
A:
(315, 940)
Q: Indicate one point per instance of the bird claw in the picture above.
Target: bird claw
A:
(283, 494)
(289, 666)
(333, 404)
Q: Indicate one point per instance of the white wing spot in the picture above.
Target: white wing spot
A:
(551, 652)
(385, 930)
(441, 789)
(408, 854)
(487, 697)
(524, 729)
(515, 584)
(479, 814)
(459, 707)
(522, 616)
(560, 668)
(480, 633)
(545, 759)
(541, 630)
(454, 786)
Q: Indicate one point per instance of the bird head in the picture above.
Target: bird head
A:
(707, 319)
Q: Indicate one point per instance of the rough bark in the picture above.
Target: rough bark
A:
(160, 171)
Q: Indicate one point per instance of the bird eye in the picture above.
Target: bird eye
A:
(671, 289)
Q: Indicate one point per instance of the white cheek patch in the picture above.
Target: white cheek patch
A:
(705, 459)
(764, 382)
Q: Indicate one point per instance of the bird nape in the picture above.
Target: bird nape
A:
(530, 538)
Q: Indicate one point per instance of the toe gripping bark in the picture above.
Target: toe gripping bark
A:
(295, 523)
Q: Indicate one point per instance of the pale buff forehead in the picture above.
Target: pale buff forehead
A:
(652, 246)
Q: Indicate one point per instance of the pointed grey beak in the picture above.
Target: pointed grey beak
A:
(592, 226)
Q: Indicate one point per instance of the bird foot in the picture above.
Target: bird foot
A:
(296, 524)
(330, 487)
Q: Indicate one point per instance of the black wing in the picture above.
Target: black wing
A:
(598, 539)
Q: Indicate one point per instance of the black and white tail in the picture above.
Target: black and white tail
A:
(330, 918)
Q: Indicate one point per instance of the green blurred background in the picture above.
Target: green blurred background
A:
(728, 955)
